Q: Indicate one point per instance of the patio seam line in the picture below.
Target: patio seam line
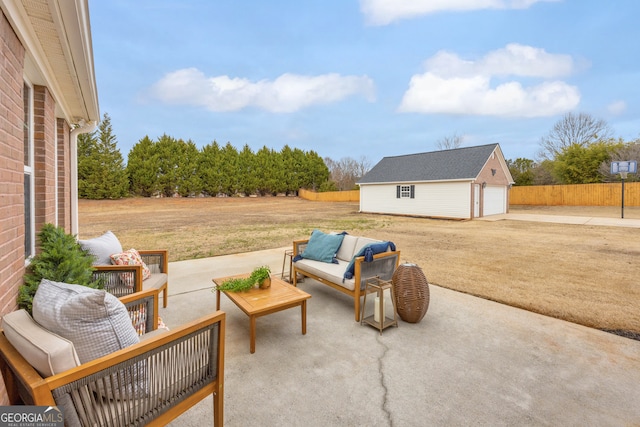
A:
(385, 390)
(194, 290)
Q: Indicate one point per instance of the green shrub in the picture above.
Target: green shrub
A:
(60, 259)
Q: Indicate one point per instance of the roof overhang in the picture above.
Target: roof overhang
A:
(417, 182)
(57, 37)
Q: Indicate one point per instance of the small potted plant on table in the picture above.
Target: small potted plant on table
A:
(260, 276)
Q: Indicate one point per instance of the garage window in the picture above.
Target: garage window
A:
(405, 191)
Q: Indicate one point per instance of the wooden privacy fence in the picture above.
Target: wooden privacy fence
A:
(330, 196)
(608, 194)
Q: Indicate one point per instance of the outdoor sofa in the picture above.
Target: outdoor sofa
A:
(344, 262)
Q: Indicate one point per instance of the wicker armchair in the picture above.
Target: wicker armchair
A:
(113, 276)
(172, 371)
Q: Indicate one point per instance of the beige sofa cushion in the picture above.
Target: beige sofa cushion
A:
(333, 273)
(47, 352)
(345, 252)
(362, 242)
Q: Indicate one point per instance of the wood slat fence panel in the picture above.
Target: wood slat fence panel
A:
(331, 196)
(606, 194)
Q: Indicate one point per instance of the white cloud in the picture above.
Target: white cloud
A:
(513, 59)
(287, 93)
(384, 12)
(617, 107)
(456, 86)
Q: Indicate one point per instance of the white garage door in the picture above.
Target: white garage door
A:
(495, 200)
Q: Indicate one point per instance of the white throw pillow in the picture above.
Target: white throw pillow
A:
(102, 247)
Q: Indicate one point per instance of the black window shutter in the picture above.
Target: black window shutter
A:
(413, 191)
(397, 191)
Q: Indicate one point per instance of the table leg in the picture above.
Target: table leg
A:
(303, 307)
(217, 299)
(284, 259)
(252, 333)
(291, 268)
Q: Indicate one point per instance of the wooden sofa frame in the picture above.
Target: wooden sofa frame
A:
(158, 262)
(362, 272)
(200, 343)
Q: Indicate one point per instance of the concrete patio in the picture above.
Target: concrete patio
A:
(469, 362)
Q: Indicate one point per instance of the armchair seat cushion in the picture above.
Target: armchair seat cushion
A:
(47, 352)
(94, 320)
(155, 281)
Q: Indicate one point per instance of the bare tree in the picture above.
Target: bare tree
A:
(362, 167)
(347, 171)
(450, 142)
(581, 129)
(630, 151)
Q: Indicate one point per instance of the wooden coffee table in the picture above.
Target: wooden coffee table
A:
(260, 302)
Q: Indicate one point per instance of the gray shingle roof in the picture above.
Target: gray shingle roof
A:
(459, 163)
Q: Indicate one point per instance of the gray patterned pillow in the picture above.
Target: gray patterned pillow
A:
(102, 247)
(95, 321)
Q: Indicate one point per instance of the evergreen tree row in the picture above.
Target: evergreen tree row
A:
(170, 166)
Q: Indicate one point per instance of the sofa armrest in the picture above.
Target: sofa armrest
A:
(20, 378)
(157, 260)
(299, 246)
(112, 278)
(382, 266)
(143, 306)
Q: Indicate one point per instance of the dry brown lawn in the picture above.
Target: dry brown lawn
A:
(583, 274)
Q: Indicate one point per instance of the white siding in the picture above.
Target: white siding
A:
(438, 199)
(495, 200)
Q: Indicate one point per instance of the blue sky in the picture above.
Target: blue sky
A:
(364, 78)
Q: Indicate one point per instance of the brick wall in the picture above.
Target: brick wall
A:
(44, 156)
(487, 176)
(64, 175)
(11, 172)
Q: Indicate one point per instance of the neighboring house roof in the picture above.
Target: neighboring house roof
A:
(446, 165)
(57, 38)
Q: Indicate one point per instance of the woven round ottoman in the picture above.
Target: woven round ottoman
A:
(411, 290)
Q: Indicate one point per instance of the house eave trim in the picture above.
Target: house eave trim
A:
(417, 182)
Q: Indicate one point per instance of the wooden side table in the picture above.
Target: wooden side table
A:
(288, 277)
(378, 286)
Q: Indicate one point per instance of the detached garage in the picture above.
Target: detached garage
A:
(462, 183)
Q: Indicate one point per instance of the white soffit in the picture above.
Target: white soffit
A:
(56, 35)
